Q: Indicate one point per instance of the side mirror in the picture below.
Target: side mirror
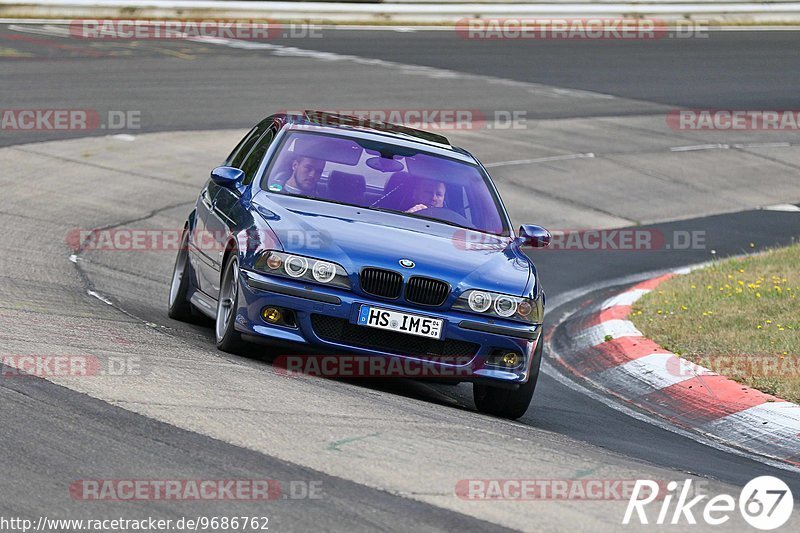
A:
(535, 236)
(227, 176)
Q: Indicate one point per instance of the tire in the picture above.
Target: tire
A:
(179, 306)
(507, 403)
(228, 339)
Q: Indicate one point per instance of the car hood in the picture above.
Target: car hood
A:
(356, 237)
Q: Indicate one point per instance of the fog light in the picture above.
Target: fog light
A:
(271, 315)
(510, 359)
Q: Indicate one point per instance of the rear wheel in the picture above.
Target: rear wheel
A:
(507, 403)
(179, 306)
(228, 339)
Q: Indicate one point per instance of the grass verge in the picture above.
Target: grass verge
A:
(739, 317)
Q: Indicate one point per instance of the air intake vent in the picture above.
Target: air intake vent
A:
(383, 283)
(341, 331)
(426, 291)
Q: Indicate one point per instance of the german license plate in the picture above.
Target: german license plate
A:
(422, 326)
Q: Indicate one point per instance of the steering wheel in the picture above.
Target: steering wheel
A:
(446, 214)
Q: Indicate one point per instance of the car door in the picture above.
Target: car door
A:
(227, 212)
(204, 249)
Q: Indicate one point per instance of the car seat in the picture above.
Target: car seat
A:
(346, 188)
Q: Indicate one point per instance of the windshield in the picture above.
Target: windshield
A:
(380, 175)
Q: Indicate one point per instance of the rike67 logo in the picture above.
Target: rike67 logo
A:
(765, 503)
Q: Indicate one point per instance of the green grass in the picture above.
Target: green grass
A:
(739, 317)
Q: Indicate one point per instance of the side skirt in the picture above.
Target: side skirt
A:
(205, 304)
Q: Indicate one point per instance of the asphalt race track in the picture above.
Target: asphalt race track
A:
(595, 151)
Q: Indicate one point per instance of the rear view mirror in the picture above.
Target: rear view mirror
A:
(535, 236)
(227, 176)
(384, 164)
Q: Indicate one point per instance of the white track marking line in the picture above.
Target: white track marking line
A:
(565, 157)
(723, 146)
(791, 208)
(697, 147)
(48, 29)
(430, 72)
(762, 145)
(100, 297)
(591, 155)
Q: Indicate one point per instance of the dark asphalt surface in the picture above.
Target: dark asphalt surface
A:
(723, 70)
(65, 430)
(180, 85)
(65, 436)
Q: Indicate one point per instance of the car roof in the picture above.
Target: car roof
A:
(362, 127)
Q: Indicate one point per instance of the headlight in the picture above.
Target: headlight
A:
(491, 304)
(295, 266)
(302, 268)
(505, 306)
(479, 301)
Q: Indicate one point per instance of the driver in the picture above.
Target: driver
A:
(306, 172)
(427, 193)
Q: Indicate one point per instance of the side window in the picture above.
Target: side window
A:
(240, 148)
(240, 152)
(251, 164)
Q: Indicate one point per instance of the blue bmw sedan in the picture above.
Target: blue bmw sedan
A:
(332, 235)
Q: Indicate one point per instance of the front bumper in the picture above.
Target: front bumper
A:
(326, 323)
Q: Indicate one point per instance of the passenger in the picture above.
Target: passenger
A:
(306, 172)
(427, 193)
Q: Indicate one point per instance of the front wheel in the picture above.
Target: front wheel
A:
(507, 403)
(228, 339)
